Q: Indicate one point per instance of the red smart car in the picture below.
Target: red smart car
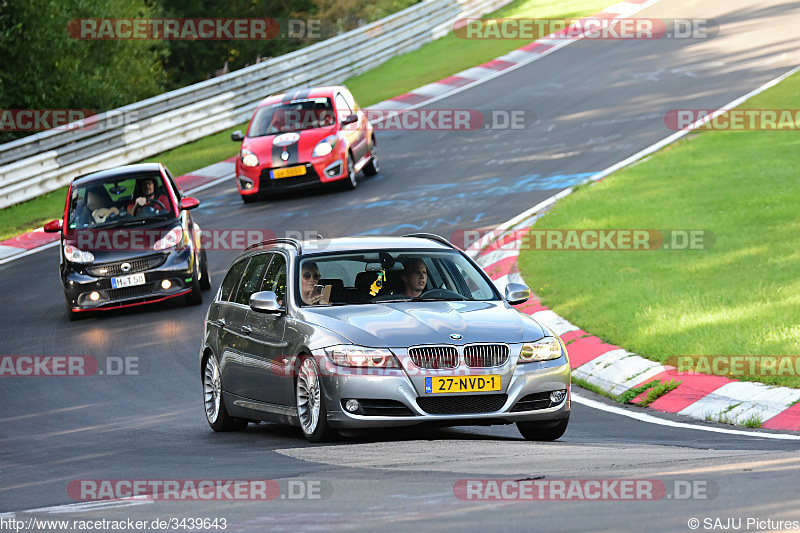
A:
(304, 138)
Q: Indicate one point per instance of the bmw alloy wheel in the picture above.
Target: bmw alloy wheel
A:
(308, 396)
(211, 389)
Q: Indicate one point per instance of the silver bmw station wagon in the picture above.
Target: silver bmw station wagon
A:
(370, 332)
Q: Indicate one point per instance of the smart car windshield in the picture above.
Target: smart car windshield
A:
(390, 276)
(293, 116)
(116, 202)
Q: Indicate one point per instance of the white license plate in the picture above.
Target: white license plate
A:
(128, 281)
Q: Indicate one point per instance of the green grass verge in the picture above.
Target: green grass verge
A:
(752, 421)
(32, 214)
(582, 383)
(200, 153)
(741, 297)
(431, 62)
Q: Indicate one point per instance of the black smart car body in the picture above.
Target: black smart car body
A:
(128, 238)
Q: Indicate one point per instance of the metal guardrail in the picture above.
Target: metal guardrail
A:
(40, 163)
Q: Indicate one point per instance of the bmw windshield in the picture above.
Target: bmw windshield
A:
(391, 276)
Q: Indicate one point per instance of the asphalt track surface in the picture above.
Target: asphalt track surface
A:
(597, 102)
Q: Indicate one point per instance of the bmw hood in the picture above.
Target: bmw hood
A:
(403, 324)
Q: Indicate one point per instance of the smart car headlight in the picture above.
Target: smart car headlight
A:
(249, 159)
(170, 240)
(359, 356)
(544, 349)
(324, 147)
(74, 255)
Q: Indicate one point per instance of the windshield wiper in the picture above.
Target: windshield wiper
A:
(136, 222)
(439, 299)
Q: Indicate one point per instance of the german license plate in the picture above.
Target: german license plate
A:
(462, 384)
(128, 281)
(279, 173)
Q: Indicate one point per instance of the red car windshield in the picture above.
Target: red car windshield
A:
(292, 116)
(103, 204)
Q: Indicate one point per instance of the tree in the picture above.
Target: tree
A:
(43, 67)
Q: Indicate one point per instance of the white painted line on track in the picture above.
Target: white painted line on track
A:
(643, 417)
(100, 505)
(29, 252)
(212, 183)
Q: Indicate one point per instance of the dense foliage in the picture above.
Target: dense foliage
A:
(44, 67)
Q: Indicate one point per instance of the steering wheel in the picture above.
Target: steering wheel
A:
(147, 203)
(441, 293)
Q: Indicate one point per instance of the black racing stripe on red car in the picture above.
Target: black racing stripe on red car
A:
(277, 162)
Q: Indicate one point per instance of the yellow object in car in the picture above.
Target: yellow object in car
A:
(377, 284)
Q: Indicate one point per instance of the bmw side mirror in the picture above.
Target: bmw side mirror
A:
(237, 136)
(349, 119)
(265, 302)
(54, 226)
(517, 293)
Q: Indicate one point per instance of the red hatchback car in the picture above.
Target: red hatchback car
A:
(304, 138)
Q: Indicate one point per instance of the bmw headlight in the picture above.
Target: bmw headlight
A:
(249, 159)
(544, 349)
(324, 147)
(359, 356)
(74, 255)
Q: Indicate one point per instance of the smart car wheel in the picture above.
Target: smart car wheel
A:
(216, 414)
(543, 430)
(372, 168)
(311, 408)
(194, 297)
(205, 277)
(351, 182)
(73, 316)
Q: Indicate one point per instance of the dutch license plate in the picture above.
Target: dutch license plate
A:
(462, 384)
(279, 173)
(128, 281)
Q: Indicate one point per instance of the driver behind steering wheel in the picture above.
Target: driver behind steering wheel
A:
(145, 194)
(414, 276)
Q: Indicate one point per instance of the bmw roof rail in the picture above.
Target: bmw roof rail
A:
(278, 240)
(433, 237)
